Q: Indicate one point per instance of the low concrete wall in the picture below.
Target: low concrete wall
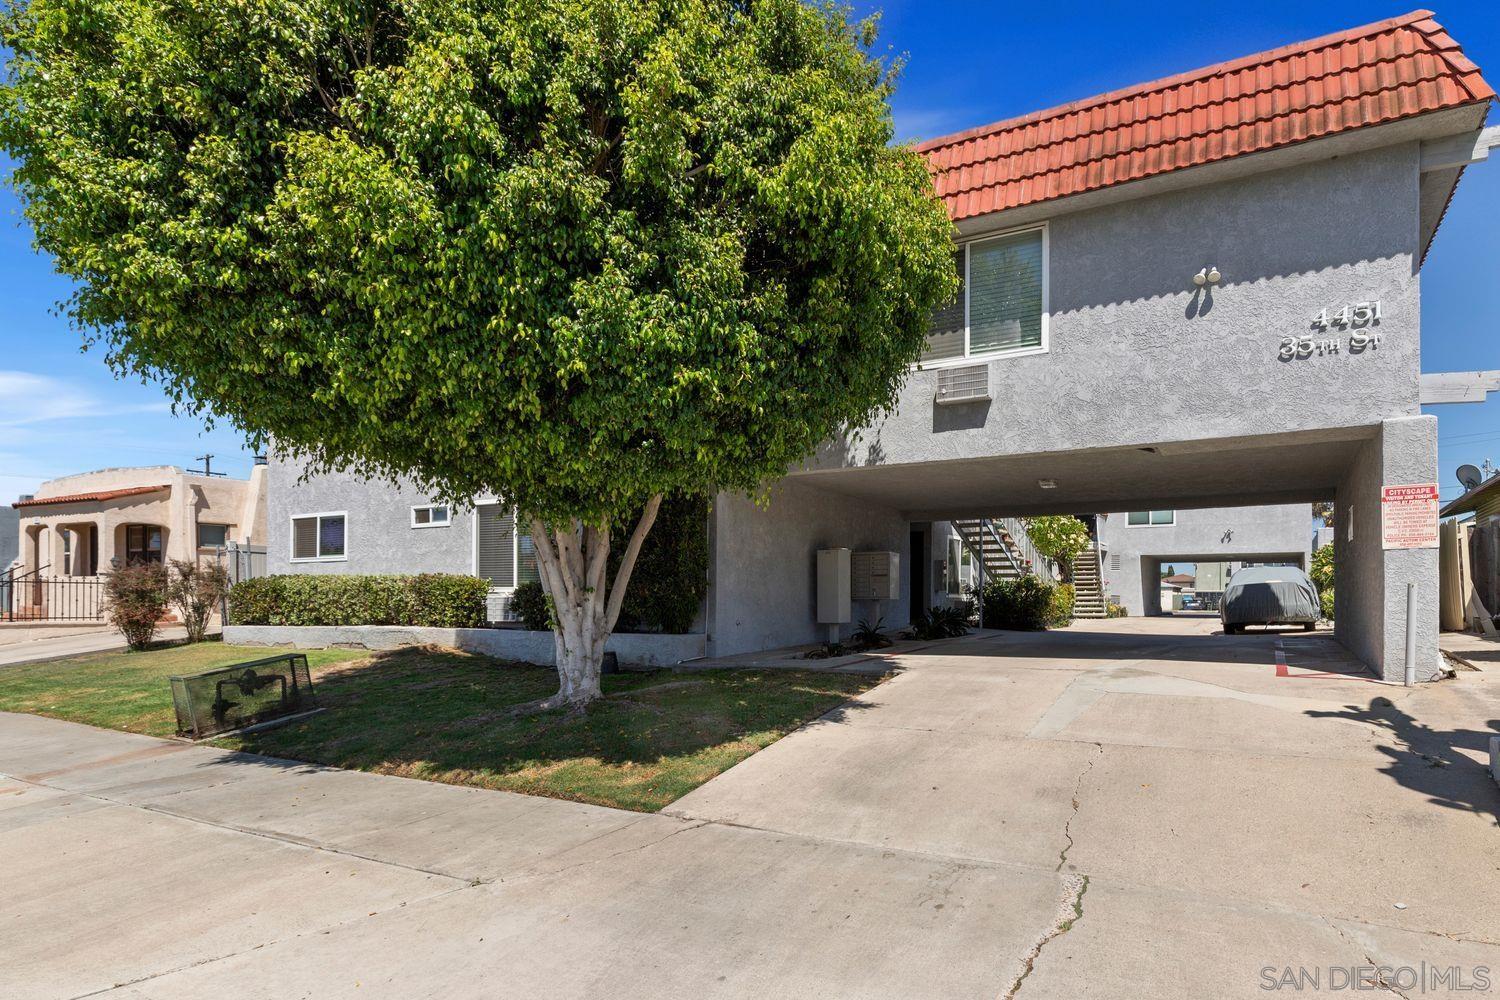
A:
(505, 643)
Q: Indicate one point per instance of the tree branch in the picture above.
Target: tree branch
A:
(627, 562)
(549, 562)
(597, 541)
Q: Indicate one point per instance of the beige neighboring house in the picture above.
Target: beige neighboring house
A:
(81, 526)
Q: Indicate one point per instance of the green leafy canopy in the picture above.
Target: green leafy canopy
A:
(573, 252)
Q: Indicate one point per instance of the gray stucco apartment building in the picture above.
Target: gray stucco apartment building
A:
(1201, 292)
(1134, 546)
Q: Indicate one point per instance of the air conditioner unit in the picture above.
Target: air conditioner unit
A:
(877, 576)
(963, 385)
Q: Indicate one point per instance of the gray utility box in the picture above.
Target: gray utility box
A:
(876, 576)
(833, 587)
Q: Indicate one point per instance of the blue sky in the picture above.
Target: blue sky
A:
(968, 64)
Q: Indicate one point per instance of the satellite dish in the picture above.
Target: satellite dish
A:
(1470, 476)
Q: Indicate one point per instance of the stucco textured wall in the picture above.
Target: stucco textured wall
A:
(1139, 356)
(1278, 529)
(188, 501)
(762, 565)
(1370, 581)
(379, 537)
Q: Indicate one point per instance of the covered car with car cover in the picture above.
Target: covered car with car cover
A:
(1269, 595)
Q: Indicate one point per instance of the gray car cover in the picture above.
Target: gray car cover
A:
(1261, 595)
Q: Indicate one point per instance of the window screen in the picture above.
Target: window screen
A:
(1139, 517)
(945, 334)
(1005, 293)
(331, 536)
(304, 538)
(212, 536)
(496, 545)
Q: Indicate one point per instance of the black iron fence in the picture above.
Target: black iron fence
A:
(35, 597)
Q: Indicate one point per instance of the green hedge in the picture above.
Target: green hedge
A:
(1027, 603)
(432, 599)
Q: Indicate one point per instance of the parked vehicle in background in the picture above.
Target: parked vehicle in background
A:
(1269, 595)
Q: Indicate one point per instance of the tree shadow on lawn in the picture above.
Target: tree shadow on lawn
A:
(1428, 760)
(446, 716)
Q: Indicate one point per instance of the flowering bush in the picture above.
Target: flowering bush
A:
(136, 599)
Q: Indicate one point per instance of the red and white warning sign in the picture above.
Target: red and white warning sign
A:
(1409, 516)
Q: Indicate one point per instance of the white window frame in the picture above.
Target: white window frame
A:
(445, 523)
(292, 537)
(1150, 523)
(1015, 352)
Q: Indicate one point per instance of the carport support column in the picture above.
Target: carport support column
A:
(1370, 596)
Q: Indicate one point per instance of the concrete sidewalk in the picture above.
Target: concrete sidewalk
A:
(1090, 813)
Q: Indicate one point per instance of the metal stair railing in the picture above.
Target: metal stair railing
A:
(1030, 560)
(1017, 529)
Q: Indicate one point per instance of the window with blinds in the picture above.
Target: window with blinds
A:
(1001, 305)
(504, 554)
(318, 536)
(496, 545)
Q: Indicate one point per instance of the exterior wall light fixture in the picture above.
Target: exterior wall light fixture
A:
(1207, 276)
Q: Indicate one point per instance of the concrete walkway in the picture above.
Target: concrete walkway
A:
(1100, 812)
(56, 647)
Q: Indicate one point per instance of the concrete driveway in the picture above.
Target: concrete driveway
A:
(1122, 809)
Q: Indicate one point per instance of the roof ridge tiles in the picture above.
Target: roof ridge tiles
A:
(1381, 72)
(1218, 71)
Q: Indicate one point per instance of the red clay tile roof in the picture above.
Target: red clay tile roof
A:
(129, 491)
(1379, 73)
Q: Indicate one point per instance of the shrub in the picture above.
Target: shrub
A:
(1325, 600)
(1113, 610)
(941, 622)
(429, 600)
(1060, 611)
(1322, 569)
(531, 605)
(196, 591)
(867, 636)
(137, 600)
(666, 589)
(1024, 603)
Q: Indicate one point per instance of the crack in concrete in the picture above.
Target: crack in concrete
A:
(1070, 911)
(1062, 856)
(1379, 979)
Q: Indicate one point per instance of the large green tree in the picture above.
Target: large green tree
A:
(576, 253)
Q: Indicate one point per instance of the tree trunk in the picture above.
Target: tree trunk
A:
(574, 565)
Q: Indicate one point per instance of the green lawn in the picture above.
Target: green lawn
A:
(443, 716)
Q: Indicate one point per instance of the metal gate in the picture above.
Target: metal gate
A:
(34, 597)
